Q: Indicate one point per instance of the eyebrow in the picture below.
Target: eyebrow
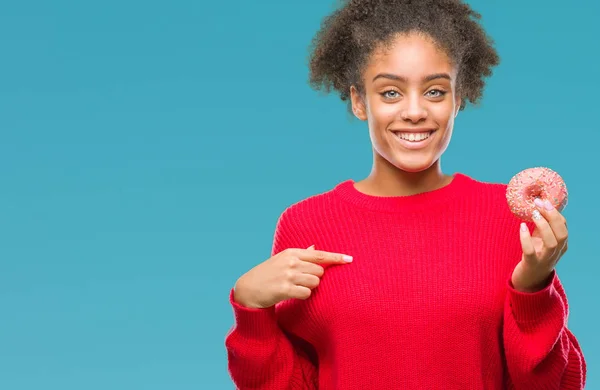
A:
(403, 79)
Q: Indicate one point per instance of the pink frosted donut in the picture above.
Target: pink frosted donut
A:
(533, 183)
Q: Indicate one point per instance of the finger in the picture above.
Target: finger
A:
(557, 221)
(310, 268)
(310, 247)
(564, 248)
(300, 292)
(527, 245)
(322, 257)
(546, 234)
(306, 280)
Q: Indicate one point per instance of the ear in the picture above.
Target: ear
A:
(457, 103)
(358, 104)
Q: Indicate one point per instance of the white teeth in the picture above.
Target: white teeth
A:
(414, 136)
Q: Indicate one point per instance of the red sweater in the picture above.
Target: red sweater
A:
(427, 302)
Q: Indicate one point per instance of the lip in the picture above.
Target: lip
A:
(412, 145)
(418, 130)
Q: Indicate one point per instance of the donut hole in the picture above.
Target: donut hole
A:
(534, 191)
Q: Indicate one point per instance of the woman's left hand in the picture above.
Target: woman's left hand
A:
(542, 250)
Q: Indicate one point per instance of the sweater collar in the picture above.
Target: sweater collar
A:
(460, 184)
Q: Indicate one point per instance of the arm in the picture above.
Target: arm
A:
(541, 352)
(260, 355)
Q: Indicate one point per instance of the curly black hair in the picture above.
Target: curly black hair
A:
(341, 48)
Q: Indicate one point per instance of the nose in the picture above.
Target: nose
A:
(413, 110)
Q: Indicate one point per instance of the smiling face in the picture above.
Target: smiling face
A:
(410, 102)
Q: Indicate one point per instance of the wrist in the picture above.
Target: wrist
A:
(241, 296)
(533, 285)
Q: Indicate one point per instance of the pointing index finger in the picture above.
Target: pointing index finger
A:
(316, 256)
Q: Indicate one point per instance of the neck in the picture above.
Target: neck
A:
(387, 180)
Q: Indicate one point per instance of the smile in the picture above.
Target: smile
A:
(414, 140)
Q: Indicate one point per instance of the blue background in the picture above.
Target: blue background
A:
(147, 149)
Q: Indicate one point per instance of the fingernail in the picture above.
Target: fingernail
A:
(536, 214)
(523, 227)
(538, 202)
(348, 259)
(548, 205)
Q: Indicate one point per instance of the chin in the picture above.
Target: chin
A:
(414, 166)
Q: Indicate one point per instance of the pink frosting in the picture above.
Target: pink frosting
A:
(533, 183)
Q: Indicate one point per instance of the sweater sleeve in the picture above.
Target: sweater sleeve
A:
(541, 352)
(260, 355)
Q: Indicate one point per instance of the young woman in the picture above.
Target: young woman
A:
(410, 278)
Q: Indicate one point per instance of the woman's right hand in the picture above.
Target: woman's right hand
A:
(292, 273)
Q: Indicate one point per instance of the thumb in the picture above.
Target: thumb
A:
(312, 247)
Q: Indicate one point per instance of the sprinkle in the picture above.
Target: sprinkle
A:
(532, 183)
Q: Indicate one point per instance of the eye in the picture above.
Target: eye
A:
(436, 93)
(390, 94)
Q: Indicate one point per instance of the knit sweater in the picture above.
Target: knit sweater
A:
(427, 302)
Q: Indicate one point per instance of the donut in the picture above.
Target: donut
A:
(533, 183)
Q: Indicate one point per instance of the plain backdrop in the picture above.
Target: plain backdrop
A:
(147, 149)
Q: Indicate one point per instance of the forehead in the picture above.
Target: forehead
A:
(412, 55)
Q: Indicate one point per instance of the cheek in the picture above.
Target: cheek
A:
(443, 114)
(382, 114)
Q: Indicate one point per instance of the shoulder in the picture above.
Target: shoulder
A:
(487, 188)
(311, 207)
(490, 198)
(300, 222)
